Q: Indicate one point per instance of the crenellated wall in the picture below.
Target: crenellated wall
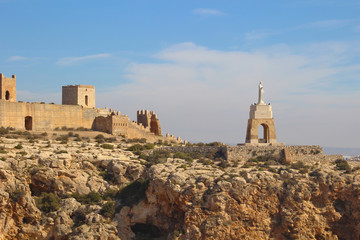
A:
(77, 110)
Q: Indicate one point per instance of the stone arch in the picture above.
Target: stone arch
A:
(86, 100)
(7, 95)
(265, 133)
(268, 127)
(28, 123)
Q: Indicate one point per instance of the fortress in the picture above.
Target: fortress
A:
(77, 111)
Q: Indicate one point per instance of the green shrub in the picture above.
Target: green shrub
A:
(342, 165)
(110, 194)
(63, 139)
(108, 209)
(61, 151)
(244, 174)
(141, 140)
(290, 182)
(99, 136)
(107, 146)
(137, 148)
(205, 161)
(111, 139)
(133, 193)
(19, 146)
(215, 155)
(90, 198)
(79, 217)
(48, 202)
(215, 144)
(184, 156)
(77, 139)
(70, 134)
(23, 153)
(156, 157)
(17, 195)
(107, 176)
(2, 150)
(4, 131)
(82, 129)
(300, 166)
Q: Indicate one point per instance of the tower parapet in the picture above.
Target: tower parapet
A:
(8, 88)
(83, 95)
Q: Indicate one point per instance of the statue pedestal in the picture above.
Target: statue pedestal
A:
(260, 111)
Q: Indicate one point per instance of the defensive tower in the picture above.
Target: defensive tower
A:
(83, 95)
(8, 88)
(144, 118)
(261, 116)
(150, 120)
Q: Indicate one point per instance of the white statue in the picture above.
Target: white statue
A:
(261, 94)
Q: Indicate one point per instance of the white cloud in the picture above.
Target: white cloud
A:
(204, 95)
(322, 25)
(329, 24)
(206, 11)
(17, 58)
(258, 34)
(76, 60)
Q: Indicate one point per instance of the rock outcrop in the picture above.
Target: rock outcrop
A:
(83, 190)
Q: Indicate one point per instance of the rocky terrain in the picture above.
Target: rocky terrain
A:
(82, 185)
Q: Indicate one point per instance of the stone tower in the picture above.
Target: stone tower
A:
(83, 95)
(261, 116)
(144, 118)
(149, 120)
(8, 88)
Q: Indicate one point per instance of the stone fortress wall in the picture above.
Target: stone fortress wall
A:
(289, 153)
(77, 111)
(42, 117)
(242, 153)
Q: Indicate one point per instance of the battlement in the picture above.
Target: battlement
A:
(2, 76)
(148, 119)
(83, 95)
(77, 86)
(8, 88)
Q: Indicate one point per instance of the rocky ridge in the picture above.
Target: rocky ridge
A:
(58, 187)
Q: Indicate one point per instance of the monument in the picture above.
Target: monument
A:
(261, 116)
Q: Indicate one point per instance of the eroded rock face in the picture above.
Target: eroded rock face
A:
(182, 199)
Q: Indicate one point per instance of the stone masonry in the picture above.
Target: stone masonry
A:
(77, 111)
(8, 88)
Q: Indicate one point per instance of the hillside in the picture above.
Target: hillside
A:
(86, 185)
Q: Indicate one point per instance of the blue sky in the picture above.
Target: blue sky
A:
(196, 63)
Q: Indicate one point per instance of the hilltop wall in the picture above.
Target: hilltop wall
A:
(243, 153)
(45, 116)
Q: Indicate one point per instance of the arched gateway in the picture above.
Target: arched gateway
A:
(260, 117)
